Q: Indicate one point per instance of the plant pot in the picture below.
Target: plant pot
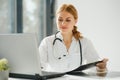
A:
(4, 75)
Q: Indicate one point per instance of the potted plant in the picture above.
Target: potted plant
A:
(4, 69)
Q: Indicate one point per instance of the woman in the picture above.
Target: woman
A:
(67, 49)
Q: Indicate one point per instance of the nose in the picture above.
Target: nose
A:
(63, 23)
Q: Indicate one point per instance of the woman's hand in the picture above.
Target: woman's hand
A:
(101, 68)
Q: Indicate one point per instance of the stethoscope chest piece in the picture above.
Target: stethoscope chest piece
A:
(58, 53)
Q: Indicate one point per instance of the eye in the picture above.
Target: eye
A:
(60, 20)
(68, 20)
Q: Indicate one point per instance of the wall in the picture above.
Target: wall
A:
(99, 20)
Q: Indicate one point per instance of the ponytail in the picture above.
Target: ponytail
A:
(76, 33)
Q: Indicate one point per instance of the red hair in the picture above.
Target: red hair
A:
(72, 10)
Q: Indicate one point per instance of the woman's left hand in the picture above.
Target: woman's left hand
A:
(102, 66)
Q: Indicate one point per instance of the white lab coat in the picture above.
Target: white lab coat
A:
(57, 58)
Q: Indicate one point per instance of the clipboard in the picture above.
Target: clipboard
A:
(84, 67)
(76, 71)
(73, 72)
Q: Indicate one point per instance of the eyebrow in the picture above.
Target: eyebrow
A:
(67, 17)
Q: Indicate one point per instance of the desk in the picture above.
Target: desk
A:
(111, 75)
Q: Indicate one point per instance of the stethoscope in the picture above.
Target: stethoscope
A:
(61, 41)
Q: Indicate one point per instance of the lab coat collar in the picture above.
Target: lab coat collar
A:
(59, 35)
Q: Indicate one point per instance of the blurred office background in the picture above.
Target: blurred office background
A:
(99, 20)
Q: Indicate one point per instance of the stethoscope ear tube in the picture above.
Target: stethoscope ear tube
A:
(56, 39)
(80, 52)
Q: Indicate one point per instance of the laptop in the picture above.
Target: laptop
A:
(21, 51)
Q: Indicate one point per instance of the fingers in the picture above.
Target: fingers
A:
(103, 64)
(105, 60)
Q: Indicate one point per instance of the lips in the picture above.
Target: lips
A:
(63, 27)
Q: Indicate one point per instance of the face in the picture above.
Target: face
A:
(65, 22)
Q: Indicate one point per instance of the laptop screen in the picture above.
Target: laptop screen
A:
(21, 51)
